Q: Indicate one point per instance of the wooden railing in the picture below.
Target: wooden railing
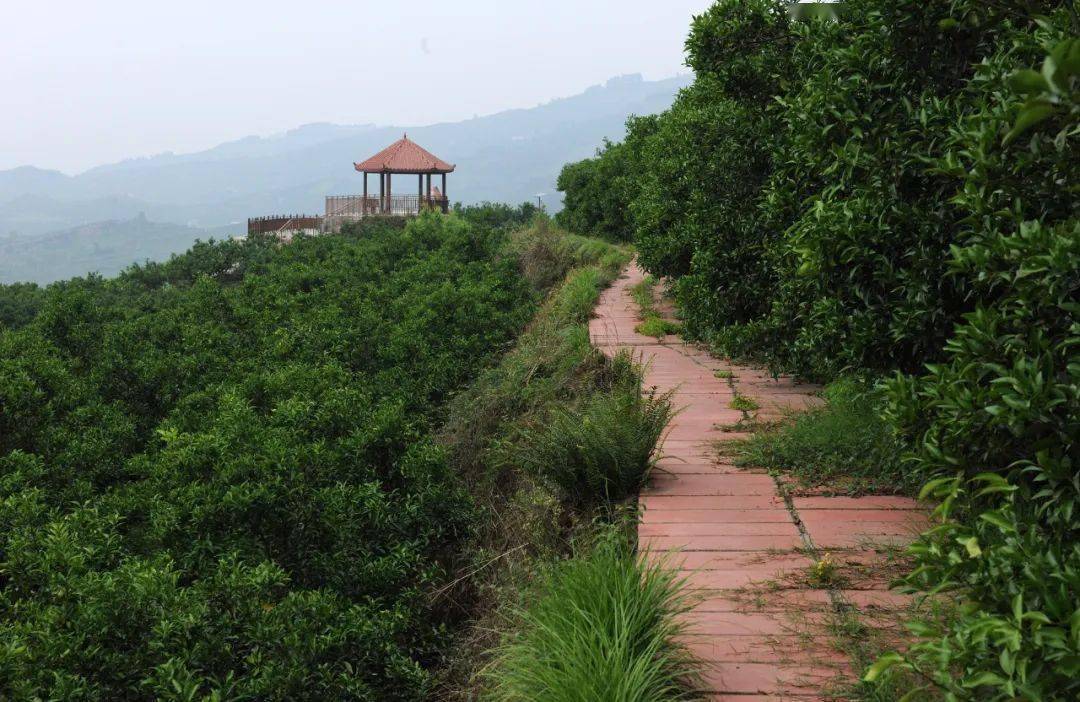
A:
(355, 206)
(341, 209)
(276, 224)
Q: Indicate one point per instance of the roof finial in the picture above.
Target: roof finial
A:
(406, 136)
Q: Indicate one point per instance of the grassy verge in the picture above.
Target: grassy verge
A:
(547, 441)
(652, 323)
(600, 451)
(843, 447)
(602, 625)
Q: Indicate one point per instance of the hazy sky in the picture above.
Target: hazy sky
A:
(86, 83)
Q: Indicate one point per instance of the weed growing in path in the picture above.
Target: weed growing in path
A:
(744, 404)
(652, 323)
(826, 573)
(844, 445)
(657, 327)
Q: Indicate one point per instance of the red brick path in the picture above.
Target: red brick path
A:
(737, 538)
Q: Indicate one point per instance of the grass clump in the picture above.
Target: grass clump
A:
(601, 449)
(744, 403)
(642, 294)
(844, 445)
(724, 374)
(603, 626)
(654, 325)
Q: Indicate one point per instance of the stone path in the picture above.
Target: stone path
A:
(741, 541)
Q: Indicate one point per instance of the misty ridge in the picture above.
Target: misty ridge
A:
(54, 226)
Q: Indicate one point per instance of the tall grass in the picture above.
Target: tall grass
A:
(603, 627)
(527, 524)
(844, 445)
(603, 448)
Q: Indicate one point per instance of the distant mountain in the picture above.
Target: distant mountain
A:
(54, 226)
(510, 156)
(106, 248)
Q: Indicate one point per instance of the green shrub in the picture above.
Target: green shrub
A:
(799, 193)
(525, 523)
(845, 445)
(705, 163)
(216, 474)
(603, 449)
(652, 323)
(603, 626)
(552, 363)
(497, 215)
(642, 294)
(19, 302)
(995, 425)
(597, 191)
(909, 204)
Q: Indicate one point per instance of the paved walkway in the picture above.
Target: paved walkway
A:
(738, 537)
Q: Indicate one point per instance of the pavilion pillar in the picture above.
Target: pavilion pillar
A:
(420, 193)
(382, 191)
(444, 191)
(427, 191)
(389, 193)
(363, 203)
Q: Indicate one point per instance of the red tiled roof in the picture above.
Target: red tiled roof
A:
(404, 156)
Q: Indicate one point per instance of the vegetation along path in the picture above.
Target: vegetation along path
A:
(777, 574)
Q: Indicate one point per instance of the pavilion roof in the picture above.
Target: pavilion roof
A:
(404, 156)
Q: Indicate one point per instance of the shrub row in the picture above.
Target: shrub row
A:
(894, 191)
(216, 474)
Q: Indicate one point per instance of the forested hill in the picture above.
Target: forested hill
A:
(105, 248)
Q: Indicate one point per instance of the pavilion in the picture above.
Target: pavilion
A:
(404, 157)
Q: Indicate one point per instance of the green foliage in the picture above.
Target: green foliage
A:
(597, 191)
(551, 364)
(995, 424)
(790, 191)
(603, 449)
(706, 162)
(497, 215)
(525, 524)
(652, 323)
(744, 403)
(845, 445)
(643, 295)
(655, 325)
(605, 626)
(19, 303)
(216, 476)
(903, 198)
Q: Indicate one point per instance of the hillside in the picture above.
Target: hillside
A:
(510, 156)
(105, 248)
